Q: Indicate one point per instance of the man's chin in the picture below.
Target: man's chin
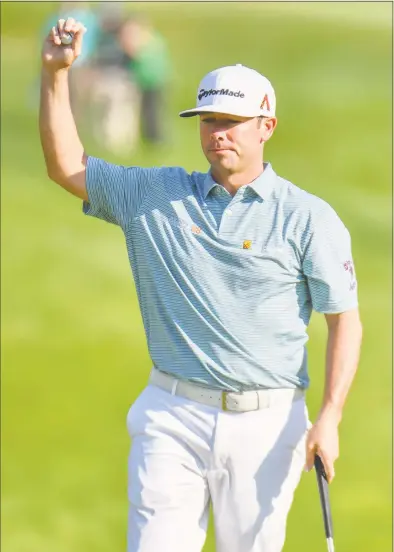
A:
(223, 159)
(226, 164)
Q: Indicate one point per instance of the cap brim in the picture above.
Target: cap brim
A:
(216, 108)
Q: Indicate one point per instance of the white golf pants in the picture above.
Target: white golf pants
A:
(185, 455)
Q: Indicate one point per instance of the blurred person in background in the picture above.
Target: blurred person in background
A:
(149, 65)
(114, 93)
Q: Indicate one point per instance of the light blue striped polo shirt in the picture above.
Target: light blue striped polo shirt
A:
(226, 285)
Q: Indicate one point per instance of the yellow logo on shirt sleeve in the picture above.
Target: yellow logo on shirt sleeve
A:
(247, 244)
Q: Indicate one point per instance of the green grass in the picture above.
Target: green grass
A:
(73, 349)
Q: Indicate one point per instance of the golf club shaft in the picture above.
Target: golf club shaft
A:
(330, 544)
(325, 502)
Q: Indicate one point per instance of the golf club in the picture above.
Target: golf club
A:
(325, 502)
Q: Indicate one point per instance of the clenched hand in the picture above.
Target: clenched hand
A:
(323, 439)
(55, 55)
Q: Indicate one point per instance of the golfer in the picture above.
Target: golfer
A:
(228, 266)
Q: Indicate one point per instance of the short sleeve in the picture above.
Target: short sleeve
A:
(328, 265)
(115, 193)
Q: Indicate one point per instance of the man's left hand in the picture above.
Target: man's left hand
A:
(323, 439)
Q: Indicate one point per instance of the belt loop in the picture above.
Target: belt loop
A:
(174, 386)
(258, 400)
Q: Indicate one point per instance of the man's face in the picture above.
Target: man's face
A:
(233, 143)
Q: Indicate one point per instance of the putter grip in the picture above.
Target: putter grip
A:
(324, 497)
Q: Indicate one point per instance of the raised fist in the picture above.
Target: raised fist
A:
(55, 54)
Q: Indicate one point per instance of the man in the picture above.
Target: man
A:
(149, 66)
(228, 266)
(115, 96)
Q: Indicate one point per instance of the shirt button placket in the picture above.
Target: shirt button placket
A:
(226, 223)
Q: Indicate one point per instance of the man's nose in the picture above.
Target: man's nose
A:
(218, 133)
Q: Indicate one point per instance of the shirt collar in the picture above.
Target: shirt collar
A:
(263, 185)
(208, 184)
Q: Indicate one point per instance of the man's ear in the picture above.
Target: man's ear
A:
(268, 125)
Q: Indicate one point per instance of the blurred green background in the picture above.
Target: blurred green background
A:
(73, 349)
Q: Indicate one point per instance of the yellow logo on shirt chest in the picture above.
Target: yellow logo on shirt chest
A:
(247, 244)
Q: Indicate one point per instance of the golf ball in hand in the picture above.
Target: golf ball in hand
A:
(67, 38)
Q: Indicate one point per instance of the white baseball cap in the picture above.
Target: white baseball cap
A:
(236, 90)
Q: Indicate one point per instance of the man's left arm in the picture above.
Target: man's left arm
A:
(329, 268)
(342, 356)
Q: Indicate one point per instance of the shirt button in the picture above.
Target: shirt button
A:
(229, 212)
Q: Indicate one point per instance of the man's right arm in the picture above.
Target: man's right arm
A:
(111, 192)
(63, 151)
